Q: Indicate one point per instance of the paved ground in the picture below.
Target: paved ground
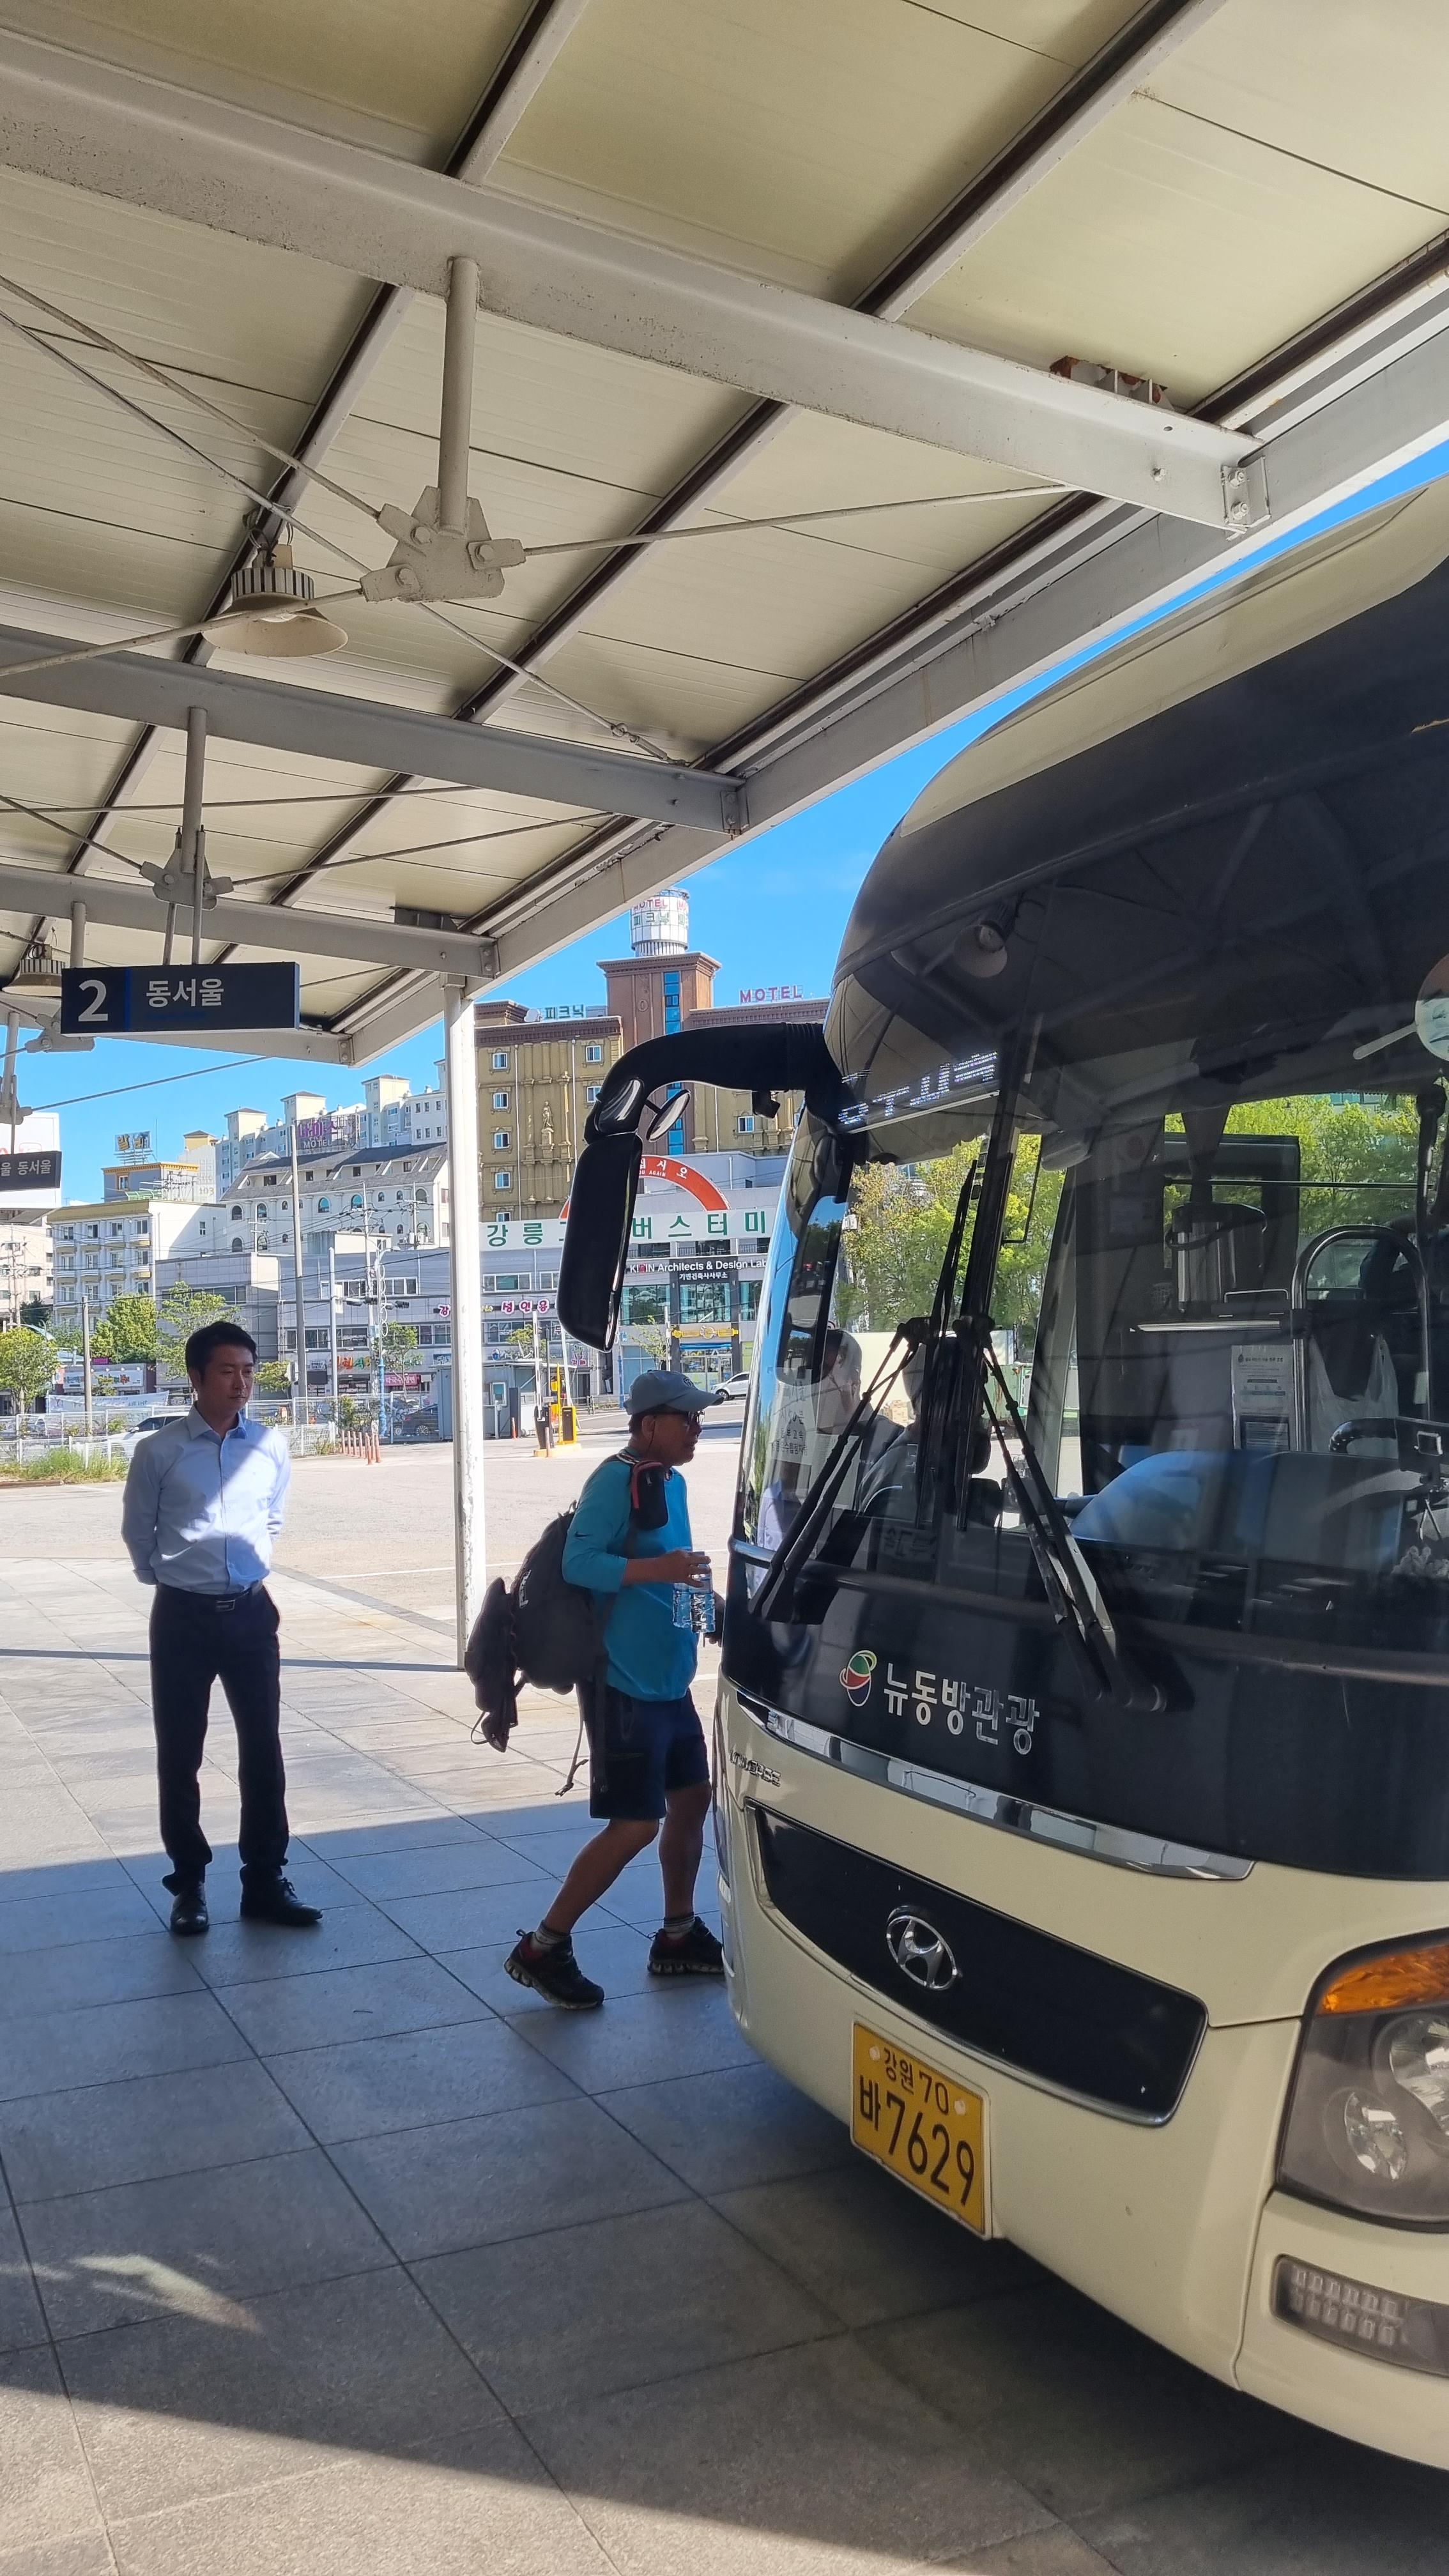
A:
(331, 2255)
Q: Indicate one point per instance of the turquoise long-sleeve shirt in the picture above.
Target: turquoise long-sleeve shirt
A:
(647, 1655)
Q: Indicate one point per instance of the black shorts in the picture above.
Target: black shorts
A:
(645, 1748)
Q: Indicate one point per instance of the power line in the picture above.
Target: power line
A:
(155, 1082)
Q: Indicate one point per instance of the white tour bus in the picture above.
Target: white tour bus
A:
(1084, 1730)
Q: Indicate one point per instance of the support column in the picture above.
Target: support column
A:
(470, 1552)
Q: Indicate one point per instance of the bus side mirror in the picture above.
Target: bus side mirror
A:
(596, 1239)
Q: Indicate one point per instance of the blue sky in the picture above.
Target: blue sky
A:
(772, 912)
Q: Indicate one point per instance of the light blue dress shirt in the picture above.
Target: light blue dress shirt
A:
(202, 1507)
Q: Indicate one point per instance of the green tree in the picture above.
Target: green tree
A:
(1357, 1156)
(27, 1362)
(398, 1340)
(36, 1313)
(274, 1377)
(127, 1331)
(893, 1251)
(183, 1310)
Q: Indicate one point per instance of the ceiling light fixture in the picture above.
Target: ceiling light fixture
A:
(272, 613)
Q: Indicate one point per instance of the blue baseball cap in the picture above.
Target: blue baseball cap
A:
(668, 1391)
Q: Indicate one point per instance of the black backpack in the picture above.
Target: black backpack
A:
(542, 1629)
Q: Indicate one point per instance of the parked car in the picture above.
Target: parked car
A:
(735, 1389)
(153, 1422)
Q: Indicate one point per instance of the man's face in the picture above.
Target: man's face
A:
(674, 1438)
(225, 1384)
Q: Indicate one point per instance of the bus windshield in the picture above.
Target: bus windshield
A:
(1218, 1300)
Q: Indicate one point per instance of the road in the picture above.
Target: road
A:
(386, 1532)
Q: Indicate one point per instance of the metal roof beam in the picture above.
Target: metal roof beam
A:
(322, 725)
(94, 125)
(516, 82)
(299, 932)
(1075, 590)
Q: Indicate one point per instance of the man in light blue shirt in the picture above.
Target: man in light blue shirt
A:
(204, 1501)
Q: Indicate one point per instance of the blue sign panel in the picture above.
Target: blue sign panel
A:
(130, 1001)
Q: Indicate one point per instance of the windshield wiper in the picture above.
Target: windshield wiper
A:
(1081, 1614)
(800, 1538)
(926, 1333)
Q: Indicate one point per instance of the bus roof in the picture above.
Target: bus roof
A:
(1182, 719)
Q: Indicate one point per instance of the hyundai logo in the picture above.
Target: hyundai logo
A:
(919, 1951)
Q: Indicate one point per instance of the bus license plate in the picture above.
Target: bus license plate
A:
(926, 2128)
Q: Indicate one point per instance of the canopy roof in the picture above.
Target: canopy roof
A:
(747, 262)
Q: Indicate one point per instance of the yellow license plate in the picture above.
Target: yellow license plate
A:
(925, 2127)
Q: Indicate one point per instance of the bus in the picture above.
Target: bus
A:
(1083, 1730)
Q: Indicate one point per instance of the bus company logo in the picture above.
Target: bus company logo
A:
(921, 1952)
(855, 1680)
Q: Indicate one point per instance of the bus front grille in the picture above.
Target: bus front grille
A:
(1037, 2005)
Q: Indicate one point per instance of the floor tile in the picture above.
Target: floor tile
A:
(869, 2249)
(571, 2315)
(95, 1972)
(738, 2125)
(469, 1916)
(1323, 2508)
(336, 2004)
(45, 2490)
(141, 2128)
(476, 2182)
(102, 2043)
(752, 2473)
(1085, 2412)
(415, 2078)
(196, 2244)
(1055, 2552)
(441, 1869)
(680, 2027)
(249, 1954)
(87, 2557)
(21, 2321)
(172, 2410)
(416, 1828)
(497, 2514)
(91, 1914)
(60, 1878)
(613, 1953)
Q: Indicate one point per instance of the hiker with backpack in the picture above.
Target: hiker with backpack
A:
(629, 1546)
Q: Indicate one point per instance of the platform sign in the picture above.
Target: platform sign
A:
(21, 1175)
(133, 1001)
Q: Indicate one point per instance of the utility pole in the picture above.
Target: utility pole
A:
(86, 1362)
(300, 1378)
(332, 1322)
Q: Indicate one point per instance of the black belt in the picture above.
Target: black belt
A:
(213, 1600)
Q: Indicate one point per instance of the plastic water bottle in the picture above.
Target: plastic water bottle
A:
(693, 1607)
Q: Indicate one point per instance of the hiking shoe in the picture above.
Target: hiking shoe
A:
(555, 1973)
(694, 1953)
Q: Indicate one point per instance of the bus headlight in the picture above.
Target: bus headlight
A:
(1368, 2122)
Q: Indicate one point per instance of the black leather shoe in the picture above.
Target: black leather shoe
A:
(188, 1913)
(275, 1900)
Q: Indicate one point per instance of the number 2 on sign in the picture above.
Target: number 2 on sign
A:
(95, 1008)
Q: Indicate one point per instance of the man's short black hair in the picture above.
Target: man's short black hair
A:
(215, 1337)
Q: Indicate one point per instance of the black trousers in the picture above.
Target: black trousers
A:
(194, 1642)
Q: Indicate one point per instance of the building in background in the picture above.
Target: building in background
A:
(249, 1281)
(390, 1113)
(25, 1265)
(30, 1188)
(701, 1239)
(538, 1077)
(378, 1192)
(112, 1248)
